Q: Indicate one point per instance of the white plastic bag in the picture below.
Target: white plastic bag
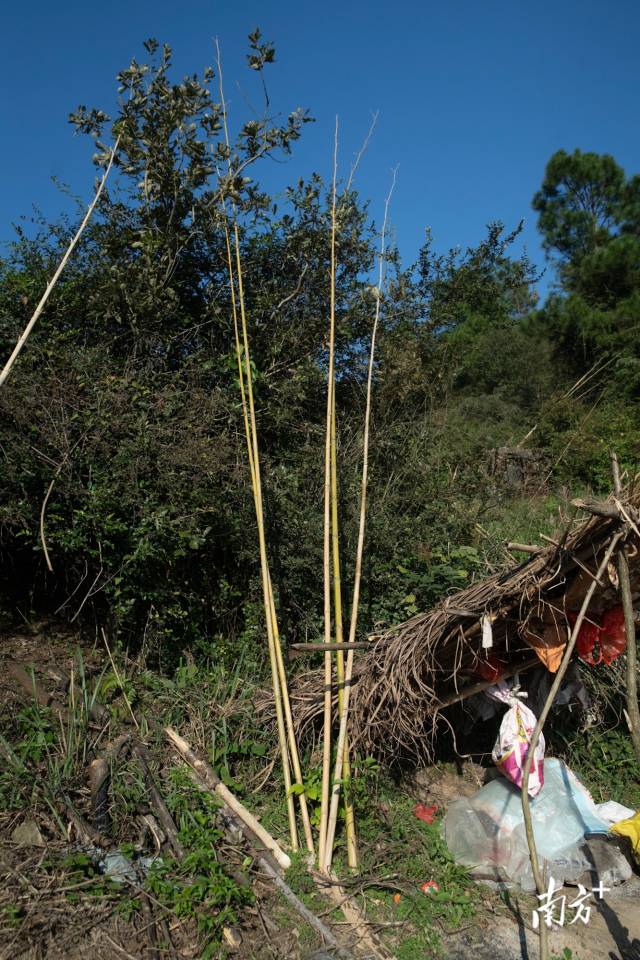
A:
(612, 812)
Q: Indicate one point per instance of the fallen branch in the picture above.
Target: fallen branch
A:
(352, 914)
(597, 507)
(140, 753)
(213, 782)
(509, 671)
(234, 822)
(299, 649)
(83, 828)
(150, 926)
(523, 547)
(304, 911)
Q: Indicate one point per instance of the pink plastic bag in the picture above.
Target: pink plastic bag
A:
(512, 745)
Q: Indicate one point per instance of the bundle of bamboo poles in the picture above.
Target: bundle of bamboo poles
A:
(290, 757)
(337, 669)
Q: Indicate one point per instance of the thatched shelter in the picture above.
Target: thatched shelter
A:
(411, 676)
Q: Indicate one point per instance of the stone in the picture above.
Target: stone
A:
(609, 865)
(27, 834)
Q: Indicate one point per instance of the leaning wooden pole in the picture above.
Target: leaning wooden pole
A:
(537, 730)
(341, 753)
(54, 279)
(624, 580)
(213, 782)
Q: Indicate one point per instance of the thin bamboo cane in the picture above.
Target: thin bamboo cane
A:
(277, 693)
(54, 279)
(342, 733)
(537, 730)
(273, 636)
(350, 823)
(328, 671)
(268, 592)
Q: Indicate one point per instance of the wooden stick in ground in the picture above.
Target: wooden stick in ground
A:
(209, 778)
(99, 780)
(624, 580)
(165, 818)
(535, 736)
(342, 733)
(328, 660)
(54, 279)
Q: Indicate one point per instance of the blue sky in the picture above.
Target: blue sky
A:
(473, 97)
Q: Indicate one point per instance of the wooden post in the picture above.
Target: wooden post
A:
(624, 581)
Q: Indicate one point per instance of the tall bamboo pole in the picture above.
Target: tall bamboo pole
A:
(54, 279)
(283, 708)
(277, 696)
(328, 671)
(342, 733)
(293, 745)
(349, 813)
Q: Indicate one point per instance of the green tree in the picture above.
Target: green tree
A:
(585, 198)
(589, 217)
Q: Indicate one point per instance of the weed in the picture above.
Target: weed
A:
(13, 914)
(197, 887)
(412, 852)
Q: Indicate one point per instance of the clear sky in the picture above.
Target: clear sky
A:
(473, 96)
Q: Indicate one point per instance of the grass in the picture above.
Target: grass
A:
(214, 707)
(47, 751)
(398, 854)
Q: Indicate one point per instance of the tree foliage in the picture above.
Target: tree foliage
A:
(126, 402)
